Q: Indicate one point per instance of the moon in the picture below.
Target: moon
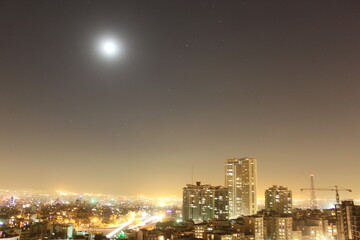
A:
(109, 47)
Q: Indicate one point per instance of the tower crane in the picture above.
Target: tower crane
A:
(332, 188)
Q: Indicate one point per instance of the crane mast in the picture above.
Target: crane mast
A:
(313, 202)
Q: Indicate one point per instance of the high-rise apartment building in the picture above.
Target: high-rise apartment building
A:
(205, 202)
(240, 179)
(348, 216)
(278, 199)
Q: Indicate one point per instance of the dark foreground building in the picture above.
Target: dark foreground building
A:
(348, 215)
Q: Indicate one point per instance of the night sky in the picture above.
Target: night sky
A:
(195, 83)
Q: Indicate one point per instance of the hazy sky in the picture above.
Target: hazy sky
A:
(197, 82)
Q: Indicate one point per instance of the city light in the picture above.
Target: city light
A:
(122, 226)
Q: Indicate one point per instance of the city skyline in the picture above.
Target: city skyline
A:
(328, 199)
(121, 97)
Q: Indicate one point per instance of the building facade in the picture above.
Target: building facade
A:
(348, 216)
(240, 179)
(254, 226)
(278, 199)
(279, 228)
(205, 202)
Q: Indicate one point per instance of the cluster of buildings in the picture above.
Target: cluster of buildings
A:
(236, 198)
(70, 218)
(230, 212)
